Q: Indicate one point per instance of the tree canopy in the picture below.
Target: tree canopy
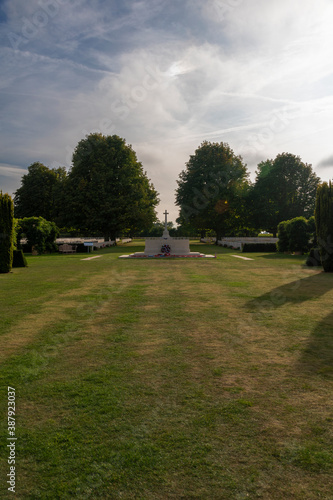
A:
(107, 189)
(40, 192)
(211, 189)
(285, 188)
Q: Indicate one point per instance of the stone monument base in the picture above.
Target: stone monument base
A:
(166, 247)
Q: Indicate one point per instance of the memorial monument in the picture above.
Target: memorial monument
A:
(166, 246)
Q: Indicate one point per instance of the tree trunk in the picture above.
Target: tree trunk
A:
(218, 236)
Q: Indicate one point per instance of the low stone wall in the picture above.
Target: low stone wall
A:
(236, 242)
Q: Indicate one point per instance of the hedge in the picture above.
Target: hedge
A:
(259, 247)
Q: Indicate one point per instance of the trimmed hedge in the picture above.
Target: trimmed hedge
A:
(19, 259)
(259, 247)
(283, 243)
(294, 235)
(6, 233)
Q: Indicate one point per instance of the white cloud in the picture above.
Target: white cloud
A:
(167, 77)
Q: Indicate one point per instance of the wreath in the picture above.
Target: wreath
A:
(165, 249)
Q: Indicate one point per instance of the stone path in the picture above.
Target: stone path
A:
(89, 258)
(241, 257)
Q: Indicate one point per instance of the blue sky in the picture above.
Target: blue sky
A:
(165, 75)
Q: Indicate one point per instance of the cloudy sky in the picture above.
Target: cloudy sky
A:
(165, 75)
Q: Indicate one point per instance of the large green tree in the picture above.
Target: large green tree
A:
(40, 194)
(107, 189)
(211, 190)
(284, 188)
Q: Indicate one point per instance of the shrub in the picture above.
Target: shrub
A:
(298, 231)
(283, 243)
(19, 259)
(313, 258)
(6, 232)
(324, 224)
(40, 233)
(259, 247)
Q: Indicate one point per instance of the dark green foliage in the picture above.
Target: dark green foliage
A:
(19, 259)
(212, 190)
(283, 243)
(294, 235)
(285, 188)
(312, 230)
(41, 193)
(6, 232)
(259, 247)
(298, 232)
(324, 224)
(107, 189)
(314, 258)
(40, 233)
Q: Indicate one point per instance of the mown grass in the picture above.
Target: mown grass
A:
(169, 378)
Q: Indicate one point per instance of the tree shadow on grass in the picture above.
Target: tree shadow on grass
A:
(295, 292)
(317, 356)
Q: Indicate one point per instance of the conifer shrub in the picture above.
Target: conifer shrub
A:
(324, 224)
(6, 232)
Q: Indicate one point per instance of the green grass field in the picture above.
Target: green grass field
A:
(168, 378)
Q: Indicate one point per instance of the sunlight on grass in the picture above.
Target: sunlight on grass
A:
(169, 379)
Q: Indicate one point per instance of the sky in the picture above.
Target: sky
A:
(165, 75)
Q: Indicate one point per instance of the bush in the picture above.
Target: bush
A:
(298, 231)
(40, 233)
(294, 235)
(259, 247)
(324, 224)
(19, 259)
(6, 232)
(283, 243)
(313, 258)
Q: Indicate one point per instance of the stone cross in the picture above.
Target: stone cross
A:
(166, 220)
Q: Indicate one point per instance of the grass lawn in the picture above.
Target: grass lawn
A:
(168, 378)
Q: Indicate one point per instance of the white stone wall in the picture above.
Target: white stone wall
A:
(236, 242)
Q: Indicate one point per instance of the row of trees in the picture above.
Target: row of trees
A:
(107, 191)
(214, 192)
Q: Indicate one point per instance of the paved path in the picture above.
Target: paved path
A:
(241, 257)
(96, 257)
